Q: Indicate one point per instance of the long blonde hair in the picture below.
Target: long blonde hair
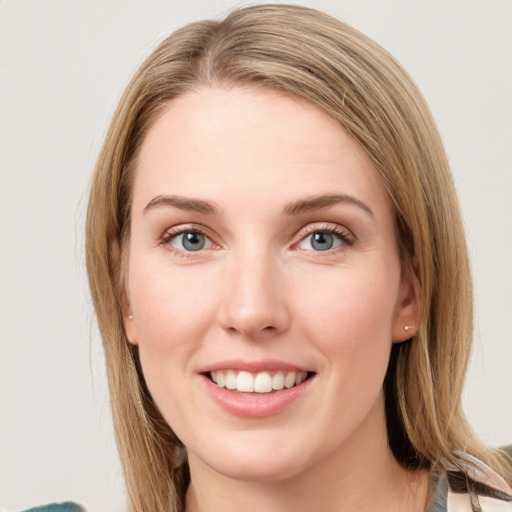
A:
(307, 54)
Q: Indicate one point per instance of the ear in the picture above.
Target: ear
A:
(130, 327)
(407, 310)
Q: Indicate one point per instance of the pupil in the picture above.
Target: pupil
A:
(322, 241)
(193, 241)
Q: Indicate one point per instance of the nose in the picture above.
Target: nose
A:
(255, 302)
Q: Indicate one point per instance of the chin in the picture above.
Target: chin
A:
(259, 461)
(257, 470)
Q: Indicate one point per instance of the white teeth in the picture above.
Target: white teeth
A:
(278, 381)
(300, 378)
(245, 382)
(289, 380)
(231, 379)
(262, 382)
(221, 379)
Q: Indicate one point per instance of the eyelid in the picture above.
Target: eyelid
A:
(347, 237)
(173, 232)
(342, 232)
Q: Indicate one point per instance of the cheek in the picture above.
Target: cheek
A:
(349, 316)
(357, 306)
(172, 310)
(167, 302)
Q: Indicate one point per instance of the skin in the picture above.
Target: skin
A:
(259, 290)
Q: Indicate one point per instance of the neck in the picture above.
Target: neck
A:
(360, 474)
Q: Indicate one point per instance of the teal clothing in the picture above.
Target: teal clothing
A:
(58, 507)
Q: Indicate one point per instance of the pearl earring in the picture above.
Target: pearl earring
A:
(408, 327)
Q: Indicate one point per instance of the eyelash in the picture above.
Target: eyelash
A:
(344, 235)
(175, 232)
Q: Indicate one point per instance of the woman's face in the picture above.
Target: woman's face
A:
(263, 256)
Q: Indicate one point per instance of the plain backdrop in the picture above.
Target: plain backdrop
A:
(63, 66)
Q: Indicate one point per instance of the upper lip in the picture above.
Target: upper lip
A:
(266, 365)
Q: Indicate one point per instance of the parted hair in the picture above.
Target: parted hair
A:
(307, 54)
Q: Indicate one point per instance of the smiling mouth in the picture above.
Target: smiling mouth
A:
(262, 382)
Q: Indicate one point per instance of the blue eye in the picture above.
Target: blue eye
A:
(322, 241)
(189, 241)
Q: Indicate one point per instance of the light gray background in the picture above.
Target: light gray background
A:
(63, 66)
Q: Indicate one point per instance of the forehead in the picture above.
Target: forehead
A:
(216, 142)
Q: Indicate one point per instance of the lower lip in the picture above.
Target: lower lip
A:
(255, 405)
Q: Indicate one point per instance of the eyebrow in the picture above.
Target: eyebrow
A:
(183, 203)
(293, 208)
(319, 202)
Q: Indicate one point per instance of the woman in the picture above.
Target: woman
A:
(278, 266)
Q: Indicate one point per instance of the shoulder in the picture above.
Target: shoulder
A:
(58, 507)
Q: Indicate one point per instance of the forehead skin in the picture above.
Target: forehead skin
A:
(232, 136)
